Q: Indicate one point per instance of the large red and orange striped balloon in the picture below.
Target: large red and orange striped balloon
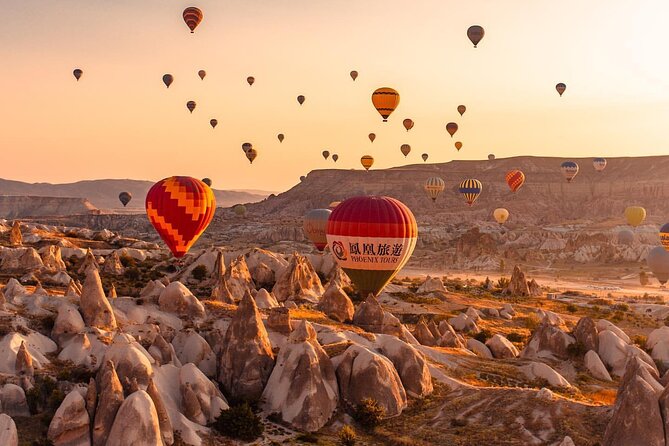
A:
(515, 179)
(192, 17)
(372, 238)
(180, 208)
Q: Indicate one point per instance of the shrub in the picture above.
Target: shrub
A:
(369, 413)
(532, 321)
(640, 340)
(514, 336)
(643, 278)
(200, 272)
(44, 395)
(239, 422)
(483, 335)
(621, 307)
(307, 438)
(347, 436)
(127, 261)
(503, 282)
(572, 308)
(132, 274)
(576, 350)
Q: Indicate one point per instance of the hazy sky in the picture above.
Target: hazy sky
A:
(120, 121)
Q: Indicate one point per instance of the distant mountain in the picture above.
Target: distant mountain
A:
(103, 194)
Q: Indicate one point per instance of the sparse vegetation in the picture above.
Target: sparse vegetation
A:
(239, 422)
(514, 336)
(369, 413)
(44, 396)
(503, 282)
(200, 272)
(347, 436)
(483, 335)
(571, 308)
(532, 321)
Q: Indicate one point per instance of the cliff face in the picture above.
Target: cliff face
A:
(23, 207)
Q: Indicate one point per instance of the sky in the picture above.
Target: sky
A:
(119, 120)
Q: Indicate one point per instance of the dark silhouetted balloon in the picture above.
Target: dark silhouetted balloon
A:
(301, 99)
(124, 198)
(168, 79)
(207, 181)
(192, 16)
(190, 105)
(475, 34)
(560, 88)
(213, 123)
(77, 73)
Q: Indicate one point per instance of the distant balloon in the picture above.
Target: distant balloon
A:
(280, 137)
(251, 155)
(408, 124)
(560, 88)
(239, 209)
(124, 198)
(372, 238)
(425, 156)
(247, 146)
(335, 157)
(451, 128)
(664, 236)
(515, 179)
(300, 99)
(190, 105)
(433, 187)
(354, 75)
(325, 154)
(500, 215)
(367, 161)
(385, 101)
(372, 137)
(569, 170)
(168, 79)
(462, 109)
(599, 164)
(491, 157)
(458, 145)
(192, 16)
(207, 181)
(77, 73)
(635, 215)
(475, 34)
(405, 149)
(658, 262)
(333, 205)
(178, 224)
(626, 237)
(315, 225)
(202, 74)
(251, 80)
(213, 123)
(471, 189)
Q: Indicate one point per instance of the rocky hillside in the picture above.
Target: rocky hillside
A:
(22, 207)
(104, 193)
(546, 197)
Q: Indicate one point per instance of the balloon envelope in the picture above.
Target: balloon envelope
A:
(281, 137)
(626, 237)
(367, 161)
(491, 157)
(471, 189)
(354, 75)
(408, 124)
(658, 262)
(385, 101)
(635, 215)
(190, 105)
(325, 154)
(372, 137)
(451, 128)
(180, 208)
(462, 109)
(300, 99)
(405, 149)
(599, 164)
(213, 123)
(251, 155)
(664, 236)
(207, 181)
(202, 74)
(501, 215)
(192, 16)
(247, 146)
(458, 145)
(515, 179)
(433, 187)
(569, 170)
(315, 226)
(475, 34)
(168, 79)
(425, 156)
(560, 88)
(251, 80)
(124, 198)
(335, 157)
(372, 238)
(77, 73)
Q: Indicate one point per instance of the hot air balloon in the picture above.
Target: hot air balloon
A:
(207, 181)
(458, 145)
(333, 205)
(354, 75)
(251, 154)
(491, 157)
(569, 170)
(325, 154)
(385, 101)
(202, 74)
(372, 137)
(367, 161)
(664, 236)
(475, 34)
(462, 109)
(77, 73)
(372, 238)
(168, 79)
(180, 208)
(451, 128)
(425, 156)
(300, 99)
(247, 146)
(408, 124)
(515, 179)
(405, 149)
(280, 137)
(626, 237)
(190, 105)
(335, 157)
(635, 215)
(124, 198)
(500, 215)
(239, 209)
(315, 226)
(192, 16)
(213, 123)
(433, 187)
(658, 262)
(471, 189)
(251, 80)
(599, 164)
(560, 88)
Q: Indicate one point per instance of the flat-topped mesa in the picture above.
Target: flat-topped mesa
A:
(298, 282)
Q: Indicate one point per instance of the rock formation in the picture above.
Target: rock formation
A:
(585, 333)
(136, 421)
(336, 304)
(518, 284)
(279, 320)
(189, 346)
(70, 424)
(548, 341)
(109, 401)
(502, 348)
(238, 278)
(370, 316)
(8, 434)
(113, 265)
(410, 365)
(265, 300)
(90, 262)
(432, 284)
(298, 282)
(178, 299)
(94, 305)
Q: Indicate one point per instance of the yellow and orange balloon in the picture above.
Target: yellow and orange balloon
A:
(385, 101)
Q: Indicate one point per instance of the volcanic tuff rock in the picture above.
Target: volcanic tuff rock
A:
(279, 320)
(548, 341)
(178, 299)
(90, 262)
(247, 358)
(238, 278)
(595, 366)
(518, 284)
(265, 300)
(410, 365)
(191, 347)
(70, 425)
(136, 422)
(15, 236)
(94, 304)
(586, 333)
(501, 347)
(336, 304)
(131, 361)
(113, 265)
(8, 434)
(371, 317)
(298, 281)
(109, 401)
(431, 284)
